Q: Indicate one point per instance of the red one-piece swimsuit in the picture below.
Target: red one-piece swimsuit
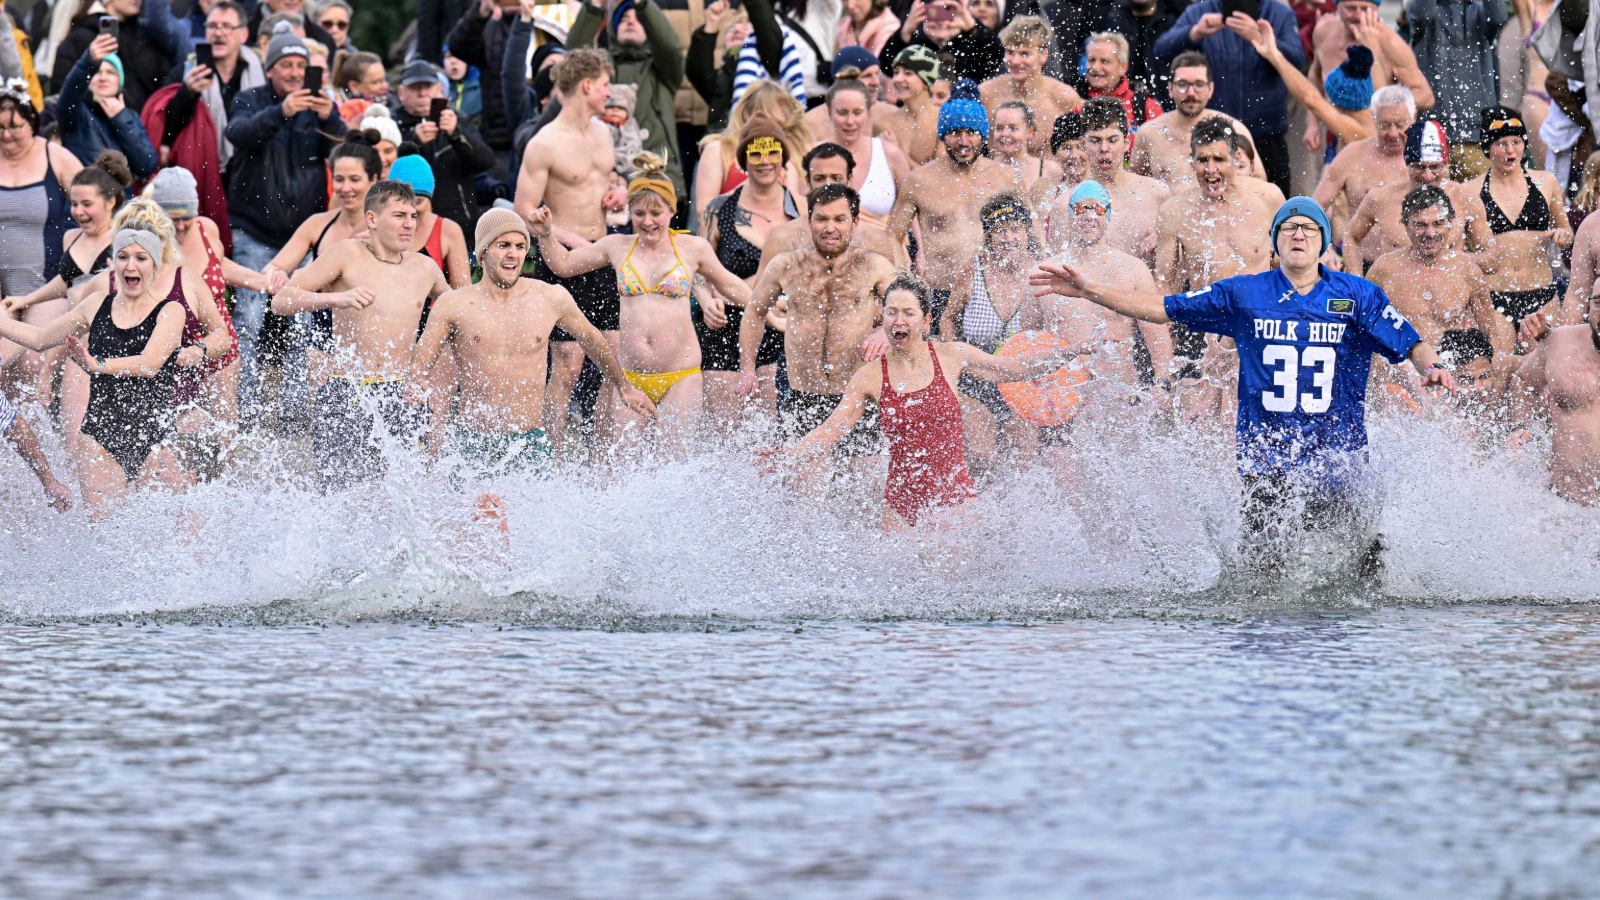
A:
(927, 462)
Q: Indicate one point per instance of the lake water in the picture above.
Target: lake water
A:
(681, 682)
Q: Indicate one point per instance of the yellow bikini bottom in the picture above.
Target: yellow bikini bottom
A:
(656, 384)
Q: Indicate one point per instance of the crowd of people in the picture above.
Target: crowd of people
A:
(950, 233)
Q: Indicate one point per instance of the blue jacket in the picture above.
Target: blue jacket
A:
(1248, 88)
(86, 129)
(278, 176)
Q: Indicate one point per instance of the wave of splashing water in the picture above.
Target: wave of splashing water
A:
(1146, 525)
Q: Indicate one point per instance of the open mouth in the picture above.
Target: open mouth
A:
(130, 283)
(899, 333)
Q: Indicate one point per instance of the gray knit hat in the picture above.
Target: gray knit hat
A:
(173, 189)
(284, 43)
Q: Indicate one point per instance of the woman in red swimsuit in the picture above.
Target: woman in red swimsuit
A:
(914, 388)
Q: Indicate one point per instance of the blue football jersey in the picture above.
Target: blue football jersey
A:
(1303, 360)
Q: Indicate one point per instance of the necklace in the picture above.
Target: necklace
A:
(375, 255)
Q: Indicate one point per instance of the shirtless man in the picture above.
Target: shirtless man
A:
(568, 167)
(834, 293)
(1214, 230)
(945, 197)
(853, 64)
(1162, 151)
(1375, 226)
(1435, 287)
(1374, 162)
(376, 289)
(1392, 59)
(827, 164)
(1107, 334)
(1561, 380)
(915, 125)
(1137, 198)
(498, 333)
(1027, 42)
(1585, 271)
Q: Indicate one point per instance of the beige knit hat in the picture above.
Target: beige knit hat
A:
(495, 222)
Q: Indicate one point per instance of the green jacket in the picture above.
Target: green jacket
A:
(656, 66)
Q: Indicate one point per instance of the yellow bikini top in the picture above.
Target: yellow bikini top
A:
(678, 286)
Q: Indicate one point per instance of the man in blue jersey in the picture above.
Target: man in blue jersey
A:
(1305, 337)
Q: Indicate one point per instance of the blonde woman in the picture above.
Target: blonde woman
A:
(659, 350)
(717, 172)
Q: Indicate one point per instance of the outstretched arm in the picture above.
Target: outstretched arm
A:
(1426, 359)
(988, 367)
(54, 333)
(565, 263)
(1146, 306)
(863, 386)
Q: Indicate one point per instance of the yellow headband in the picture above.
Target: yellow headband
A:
(661, 187)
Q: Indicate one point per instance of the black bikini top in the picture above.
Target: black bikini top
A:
(1535, 210)
(71, 272)
(736, 254)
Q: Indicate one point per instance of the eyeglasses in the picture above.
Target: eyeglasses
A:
(223, 26)
(335, 24)
(15, 129)
(1306, 228)
(757, 157)
(1185, 87)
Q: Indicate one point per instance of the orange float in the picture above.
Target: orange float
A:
(1050, 399)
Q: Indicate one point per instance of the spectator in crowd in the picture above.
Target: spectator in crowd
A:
(816, 26)
(713, 58)
(1246, 88)
(1106, 75)
(235, 68)
(1141, 22)
(282, 135)
(464, 89)
(644, 51)
(435, 18)
(334, 16)
(380, 122)
(772, 51)
(479, 40)
(16, 61)
(261, 26)
(986, 12)
(1455, 45)
(450, 145)
(93, 115)
(869, 24)
(945, 26)
(149, 39)
(359, 82)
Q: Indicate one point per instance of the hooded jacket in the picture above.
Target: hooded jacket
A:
(656, 66)
(86, 129)
(278, 175)
(480, 41)
(1248, 88)
(1455, 42)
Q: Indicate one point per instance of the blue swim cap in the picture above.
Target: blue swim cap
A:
(958, 115)
(1302, 206)
(415, 171)
(1090, 190)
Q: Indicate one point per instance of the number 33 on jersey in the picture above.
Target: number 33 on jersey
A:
(1303, 359)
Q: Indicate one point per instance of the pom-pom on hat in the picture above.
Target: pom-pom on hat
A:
(378, 119)
(1349, 87)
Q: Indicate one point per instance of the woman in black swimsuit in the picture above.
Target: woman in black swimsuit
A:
(737, 224)
(1525, 213)
(133, 336)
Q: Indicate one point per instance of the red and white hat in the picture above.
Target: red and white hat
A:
(1426, 142)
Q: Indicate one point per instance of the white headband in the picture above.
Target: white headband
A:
(149, 240)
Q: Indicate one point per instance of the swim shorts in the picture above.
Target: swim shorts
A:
(596, 294)
(489, 455)
(800, 413)
(1518, 305)
(719, 347)
(342, 437)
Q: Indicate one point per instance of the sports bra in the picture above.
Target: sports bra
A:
(629, 284)
(878, 191)
(71, 272)
(1535, 215)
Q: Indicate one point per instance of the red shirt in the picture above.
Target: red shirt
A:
(1124, 93)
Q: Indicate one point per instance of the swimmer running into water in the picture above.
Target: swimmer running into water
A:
(914, 388)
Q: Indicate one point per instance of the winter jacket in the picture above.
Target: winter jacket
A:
(656, 66)
(873, 35)
(481, 42)
(1455, 45)
(278, 175)
(86, 129)
(1248, 88)
(435, 18)
(194, 147)
(147, 46)
(455, 160)
(978, 53)
(713, 83)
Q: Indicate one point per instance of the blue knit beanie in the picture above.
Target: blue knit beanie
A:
(415, 171)
(1300, 206)
(1349, 87)
(968, 115)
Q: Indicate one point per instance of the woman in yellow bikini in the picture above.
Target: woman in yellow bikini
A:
(659, 350)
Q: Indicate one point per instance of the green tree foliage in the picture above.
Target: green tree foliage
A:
(379, 23)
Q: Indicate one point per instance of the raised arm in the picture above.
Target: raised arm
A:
(1345, 126)
(563, 262)
(1146, 306)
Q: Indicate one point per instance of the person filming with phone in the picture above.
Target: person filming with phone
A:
(447, 141)
(148, 39)
(1246, 88)
(213, 75)
(945, 26)
(94, 115)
